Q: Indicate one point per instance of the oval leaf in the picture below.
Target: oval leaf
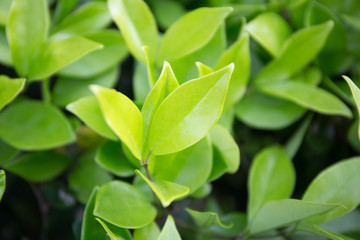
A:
(207, 219)
(9, 89)
(169, 231)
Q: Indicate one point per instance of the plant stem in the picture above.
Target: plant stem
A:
(45, 89)
(145, 165)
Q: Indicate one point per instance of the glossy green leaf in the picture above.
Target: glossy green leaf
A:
(33, 125)
(337, 184)
(88, 110)
(189, 112)
(85, 176)
(270, 30)
(166, 191)
(7, 152)
(123, 205)
(312, 228)
(131, 16)
(203, 69)
(149, 232)
(123, 117)
(271, 177)
(308, 96)
(90, 16)
(115, 233)
(356, 96)
(99, 61)
(190, 167)
(298, 51)
(39, 166)
(260, 111)
(58, 53)
(110, 156)
(207, 219)
(2, 183)
(27, 29)
(9, 89)
(169, 231)
(185, 37)
(286, 212)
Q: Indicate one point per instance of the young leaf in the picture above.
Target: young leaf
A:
(203, 69)
(271, 177)
(149, 232)
(286, 212)
(169, 231)
(189, 112)
(88, 110)
(123, 205)
(356, 96)
(2, 183)
(131, 16)
(115, 233)
(270, 30)
(166, 191)
(26, 29)
(308, 96)
(33, 125)
(337, 184)
(123, 117)
(207, 219)
(185, 37)
(9, 89)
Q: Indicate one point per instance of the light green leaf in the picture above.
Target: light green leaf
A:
(4, 11)
(286, 212)
(356, 96)
(164, 86)
(166, 191)
(58, 53)
(110, 156)
(115, 233)
(270, 30)
(308, 96)
(9, 89)
(298, 51)
(141, 83)
(190, 167)
(27, 29)
(2, 183)
(337, 184)
(88, 110)
(123, 117)
(123, 205)
(185, 37)
(90, 16)
(271, 177)
(260, 111)
(131, 16)
(149, 232)
(312, 228)
(207, 219)
(167, 12)
(189, 112)
(203, 69)
(5, 56)
(33, 125)
(169, 231)
(39, 166)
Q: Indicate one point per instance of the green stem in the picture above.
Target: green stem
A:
(45, 89)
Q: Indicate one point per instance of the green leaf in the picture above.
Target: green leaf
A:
(298, 51)
(190, 167)
(203, 191)
(185, 37)
(356, 96)
(5, 56)
(239, 220)
(141, 83)
(270, 30)
(90, 16)
(286, 212)
(166, 191)
(33, 125)
(39, 166)
(167, 12)
(169, 231)
(110, 156)
(308, 96)
(58, 53)
(164, 86)
(123, 117)
(312, 228)
(189, 112)
(260, 111)
(337, 184)
(26, 29)
(131, 16)
(115, 233)
(123, 205)
(203, 69)
(85, 176)
(2, 183)
(88, 110)
(271, 177)
(4, 11)
(149, 232)
(7, 152)
(207, 219)
(9, 89)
